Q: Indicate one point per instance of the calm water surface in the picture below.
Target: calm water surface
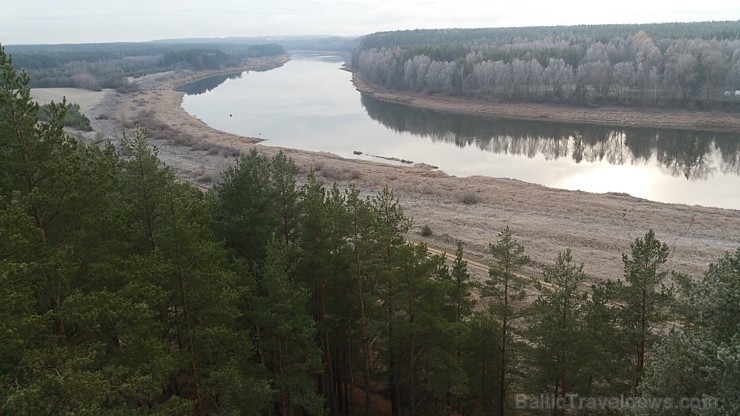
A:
(310, 104)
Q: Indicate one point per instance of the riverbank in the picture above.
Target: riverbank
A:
(597, 227)
(86, 99)
(715, 121)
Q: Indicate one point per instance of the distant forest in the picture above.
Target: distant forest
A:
(97, 66)
(673, 64)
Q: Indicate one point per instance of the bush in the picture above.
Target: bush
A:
(469, 198)
(426, 231)
(339, 174)
(73, 117)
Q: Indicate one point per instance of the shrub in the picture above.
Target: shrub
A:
(426, 231)
(73, 117)
(339, 174)
(469, 198)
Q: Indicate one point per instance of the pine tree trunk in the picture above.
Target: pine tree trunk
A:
(329, 367)
(412, 352)
(504, 340)
(363, 335)
(350, 379)
(392, 365)
(189, 338)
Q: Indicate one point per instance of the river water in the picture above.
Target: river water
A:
(310, 104)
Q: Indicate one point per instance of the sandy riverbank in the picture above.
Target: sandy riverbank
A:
(598, 227)
(717, 121)
(86, 99)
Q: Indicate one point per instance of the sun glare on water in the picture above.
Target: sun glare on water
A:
(613, 178)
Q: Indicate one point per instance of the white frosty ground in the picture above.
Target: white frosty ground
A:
(85, 98)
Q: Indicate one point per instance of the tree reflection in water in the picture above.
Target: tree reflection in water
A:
(693, 155)
(207, 84)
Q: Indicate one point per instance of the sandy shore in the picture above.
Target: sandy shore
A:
(597, 227)
(717, 121)
(85, 98)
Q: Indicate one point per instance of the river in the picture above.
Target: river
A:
(311, 104)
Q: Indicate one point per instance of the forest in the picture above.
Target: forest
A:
(108, 65)
(126, 291)
(693, 65)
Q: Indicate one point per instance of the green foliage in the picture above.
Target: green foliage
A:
(72, 116)
(285, 196)
(604, 364)
(645, 300)
(119, 299)
(463, 286)
(505, 283)
(702, 360)
(243, 211)
(482, 364)
(426, 231)
(557, 330)
(457, 288)
(287, 334)
(505, 286)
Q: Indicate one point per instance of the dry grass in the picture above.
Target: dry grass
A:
(339, 174)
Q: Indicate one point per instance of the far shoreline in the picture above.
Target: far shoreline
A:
(716, 121)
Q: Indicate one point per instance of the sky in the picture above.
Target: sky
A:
(83, 21)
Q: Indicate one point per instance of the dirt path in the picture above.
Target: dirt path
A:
(597, 227)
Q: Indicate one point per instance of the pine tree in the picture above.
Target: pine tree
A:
(389, 256)
(458, 288)
(505, 289)
(433, 372)
(603, 367)
(644, 301)
(197, 292)
(556, 329)
(287, 334)
(359, 220)
(482, 363)
(242, 208)
(285, 196)
(322, 267)
(88, 344)
(117, 297)
(701, 360)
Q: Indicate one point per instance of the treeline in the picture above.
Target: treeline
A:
(678, 64)
(126, 291)
(97, 66)
(291, 43)
(198, 58)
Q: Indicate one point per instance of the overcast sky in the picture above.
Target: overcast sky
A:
(77, 21)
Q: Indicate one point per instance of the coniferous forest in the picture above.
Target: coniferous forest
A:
(125, 291)
(109, 65)
(660, 65)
